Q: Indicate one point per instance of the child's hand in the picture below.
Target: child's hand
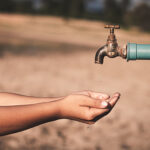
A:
(87, 107)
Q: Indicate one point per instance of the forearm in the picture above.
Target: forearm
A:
(9, 99)
(18, 118)
(87, 108)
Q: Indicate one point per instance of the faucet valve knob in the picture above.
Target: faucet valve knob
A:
(112, 27)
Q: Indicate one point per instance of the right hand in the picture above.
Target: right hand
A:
(86, 106)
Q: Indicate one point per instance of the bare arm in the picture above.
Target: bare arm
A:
(18, 118)
(86, 107)
(11, 99)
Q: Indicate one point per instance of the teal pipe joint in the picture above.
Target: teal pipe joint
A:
(138, 51)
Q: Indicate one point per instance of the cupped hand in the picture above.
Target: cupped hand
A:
(87, 106)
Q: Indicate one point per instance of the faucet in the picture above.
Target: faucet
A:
(111, 48)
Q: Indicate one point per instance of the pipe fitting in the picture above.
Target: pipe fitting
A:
(138, 51)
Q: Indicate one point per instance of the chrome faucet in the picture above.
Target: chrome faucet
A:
(111, 48)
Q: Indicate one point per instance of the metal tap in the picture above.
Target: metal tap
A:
(111, 48)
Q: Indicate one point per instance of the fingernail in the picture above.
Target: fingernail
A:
(117, 94)
(104, 104)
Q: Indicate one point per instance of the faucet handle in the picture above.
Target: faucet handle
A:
(112, 27)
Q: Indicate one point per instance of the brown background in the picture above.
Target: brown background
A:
(47, 56)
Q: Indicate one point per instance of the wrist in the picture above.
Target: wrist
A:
(60, 108)
(57, 105)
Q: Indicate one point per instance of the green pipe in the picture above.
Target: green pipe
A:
(138, 51)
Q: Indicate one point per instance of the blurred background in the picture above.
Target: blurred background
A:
(47, 49)
(114, 11)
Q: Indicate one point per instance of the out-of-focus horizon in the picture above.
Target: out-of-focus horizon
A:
(124, 12)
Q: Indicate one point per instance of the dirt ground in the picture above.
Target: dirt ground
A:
(47, 56)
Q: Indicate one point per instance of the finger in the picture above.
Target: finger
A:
(84, 121)
(114, 99)
(98, 113)
(94, 103)
(98, 95)
(95, 95)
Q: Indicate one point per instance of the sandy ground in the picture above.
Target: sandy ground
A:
(47, 56)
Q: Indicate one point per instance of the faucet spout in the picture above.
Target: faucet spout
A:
(100, 54)
(111, 48)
